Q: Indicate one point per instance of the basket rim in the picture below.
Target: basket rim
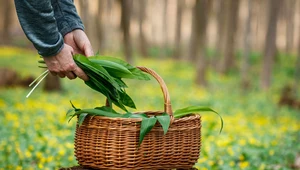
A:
(190, 116)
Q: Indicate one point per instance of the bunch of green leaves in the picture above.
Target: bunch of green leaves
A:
(147, 123)
(105, 76)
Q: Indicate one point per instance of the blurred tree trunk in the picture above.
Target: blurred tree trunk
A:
(84, 12)
(221, 25)
(297, 70)
(228, 61)
(125, 25)
(165, 24)
(200, 17)
(6, 9)
(247, 47)
(99, 19)
(143, 42)
(270, 44)
(52, 83)
(193, 46)
(290, 19)
(177, 50)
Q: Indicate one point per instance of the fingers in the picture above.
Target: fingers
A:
(71, 75)
(88, 50)
(63, 65)
(82, 42)
(79, 72)
(61, 75)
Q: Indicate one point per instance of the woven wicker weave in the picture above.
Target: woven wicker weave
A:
(112, 143)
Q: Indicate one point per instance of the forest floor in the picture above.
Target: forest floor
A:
(257, 134)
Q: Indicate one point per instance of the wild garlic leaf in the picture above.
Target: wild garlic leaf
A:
(194, 109)
(81, 118)
(97, 112)
(146, 126)
(164, 120)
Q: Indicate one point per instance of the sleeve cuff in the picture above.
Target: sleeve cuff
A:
(52, 50)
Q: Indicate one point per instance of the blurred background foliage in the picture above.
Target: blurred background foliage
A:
(240, 57)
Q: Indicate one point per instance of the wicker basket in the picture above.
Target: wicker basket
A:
(112, 143)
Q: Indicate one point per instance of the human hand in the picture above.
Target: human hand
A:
(64, 65)
(80, 43)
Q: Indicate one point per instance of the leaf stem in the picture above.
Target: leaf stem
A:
(44, 76)
(45, 72)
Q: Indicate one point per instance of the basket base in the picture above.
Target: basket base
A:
(86, 168)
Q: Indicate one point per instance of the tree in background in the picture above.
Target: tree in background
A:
(179, 11)
(228, 60)
(6, 16)
(165, 24)
(297, 69)
(126, 6)
(52, 83)
(221, 25)
(247, 47)
(270, 44)
(200, 17)
(84, 13)
(290, 20)
(99, 20)
(142, 39)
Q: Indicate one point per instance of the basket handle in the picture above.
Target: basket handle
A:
(163, 86)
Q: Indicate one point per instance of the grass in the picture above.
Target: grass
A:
(257, 134)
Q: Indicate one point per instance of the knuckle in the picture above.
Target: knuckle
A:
(70, 67)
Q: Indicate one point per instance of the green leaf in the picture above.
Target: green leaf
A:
(121, 83)
(113, 68)
(107, 109)
(97, 112)
(164, 120)
(146, 126)
(76, 109)
(95, 68)
(70, 112)
(126, 100)
(126, 115)
(142, 115)
(193, 109)
(137, 73)
(81, 118)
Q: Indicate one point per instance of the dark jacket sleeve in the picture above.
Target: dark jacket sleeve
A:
(66, 16)
(39, 24)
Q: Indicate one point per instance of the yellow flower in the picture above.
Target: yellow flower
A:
(28, 154)
(39, 155)
(242, 157)
(244, 164)
(2, 103)
(271, 152)
(40, 166)
(61, 152)
(230, 151)
(201, 160)
(231, 163)
(242, 142)
(50, 159)
(211, 163)
(30, 148)
(19, 168)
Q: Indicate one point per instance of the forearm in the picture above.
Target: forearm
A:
(66, 16)
(38, 22)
